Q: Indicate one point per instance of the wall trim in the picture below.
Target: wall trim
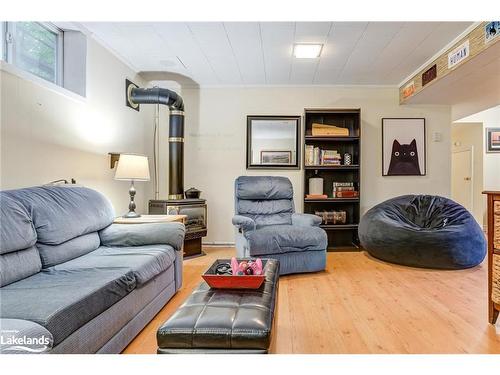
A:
(264, 85)
(218, 244)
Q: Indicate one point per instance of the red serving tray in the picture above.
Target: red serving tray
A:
(232, 282)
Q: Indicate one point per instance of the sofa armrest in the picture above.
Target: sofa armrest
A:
(244, 223)
(13, 330)
(306, 220)
(143, 234)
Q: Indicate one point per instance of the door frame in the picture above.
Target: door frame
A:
(471, 149)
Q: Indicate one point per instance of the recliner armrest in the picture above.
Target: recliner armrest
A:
(143, 234)
(306, 220)
(244, 223)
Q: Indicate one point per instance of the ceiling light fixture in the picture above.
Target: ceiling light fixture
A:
(307, 51)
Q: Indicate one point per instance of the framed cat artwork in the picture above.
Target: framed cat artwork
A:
(403, 147)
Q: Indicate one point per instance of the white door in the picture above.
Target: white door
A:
(462, 177)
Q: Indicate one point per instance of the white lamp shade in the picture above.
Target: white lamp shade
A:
(132, 167)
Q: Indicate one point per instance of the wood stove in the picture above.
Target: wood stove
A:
(196, 222)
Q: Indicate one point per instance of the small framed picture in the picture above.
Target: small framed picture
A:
(491, 31)
(492, 139)
(403, 147)
(276, 157)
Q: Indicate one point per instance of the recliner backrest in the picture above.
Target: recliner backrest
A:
(268, 200)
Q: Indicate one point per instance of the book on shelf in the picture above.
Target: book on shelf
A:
(343, 184)
(328, 130)
(344, 190)
(346, 194)
(332, 217)
(314, 156)
(316, 196)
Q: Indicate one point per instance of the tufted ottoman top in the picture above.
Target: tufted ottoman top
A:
(223, 319)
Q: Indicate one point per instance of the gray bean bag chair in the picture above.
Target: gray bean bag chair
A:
(423, 231)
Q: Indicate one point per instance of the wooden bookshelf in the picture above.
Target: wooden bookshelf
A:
(341, 237)
(337, 167)
(331, 200)
(311, 138)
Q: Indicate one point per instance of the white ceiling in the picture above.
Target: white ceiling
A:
(257, 53)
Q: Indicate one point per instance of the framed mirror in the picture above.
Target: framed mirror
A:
(273, 142)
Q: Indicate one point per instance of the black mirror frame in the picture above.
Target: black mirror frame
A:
(296, 165)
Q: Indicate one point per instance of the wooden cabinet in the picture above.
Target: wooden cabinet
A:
(493, 254)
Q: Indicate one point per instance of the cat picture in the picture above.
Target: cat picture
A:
(404, 159)
(403, 147)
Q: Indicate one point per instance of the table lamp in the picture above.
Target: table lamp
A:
(132, 168)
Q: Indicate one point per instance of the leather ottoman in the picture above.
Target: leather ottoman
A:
(223, 320)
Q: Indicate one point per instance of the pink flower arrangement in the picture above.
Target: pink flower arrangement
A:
(246, 267)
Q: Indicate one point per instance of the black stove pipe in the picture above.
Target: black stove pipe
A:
(157, 95)
(175, 104)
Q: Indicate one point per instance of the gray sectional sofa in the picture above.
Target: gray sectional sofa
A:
(70, 276)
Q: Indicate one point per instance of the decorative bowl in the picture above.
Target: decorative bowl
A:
(233, 282)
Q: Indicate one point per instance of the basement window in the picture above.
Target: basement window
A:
(55, 52)
(37, 48)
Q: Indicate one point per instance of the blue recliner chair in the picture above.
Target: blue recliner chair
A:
(268, 227)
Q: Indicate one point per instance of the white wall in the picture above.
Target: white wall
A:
(48, 133)
(490, 118)
(492, 163)
(215, 143)
(492, 160)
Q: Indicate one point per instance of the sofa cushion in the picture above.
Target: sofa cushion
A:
(78, 246)
(64, 300)
(19, 265)
(263, 187)
(62, 213)
(145, 262)
(17, 231)
(280, 239)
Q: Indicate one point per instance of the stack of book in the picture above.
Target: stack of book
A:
(317, 156)
(332, 217)
(330, 157)
(344, 190)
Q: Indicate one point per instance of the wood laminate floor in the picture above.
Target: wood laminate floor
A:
(362, 305)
